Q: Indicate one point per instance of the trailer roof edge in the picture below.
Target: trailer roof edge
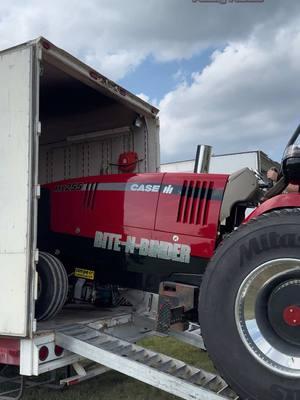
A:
(92, 76)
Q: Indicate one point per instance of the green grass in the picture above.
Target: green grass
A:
(116, 386)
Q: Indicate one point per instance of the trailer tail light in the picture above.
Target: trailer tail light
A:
(43, 353)
(58, 351)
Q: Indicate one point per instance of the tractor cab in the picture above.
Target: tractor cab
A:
(291, 164)
(290, 167)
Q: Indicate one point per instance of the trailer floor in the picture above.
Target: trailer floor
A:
(113, 385)
(72, 314)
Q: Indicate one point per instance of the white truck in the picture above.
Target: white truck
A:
(227, 163)
(60, 119)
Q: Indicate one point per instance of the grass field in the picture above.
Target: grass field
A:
(115, 386)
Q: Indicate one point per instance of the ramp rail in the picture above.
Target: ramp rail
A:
(161, 371)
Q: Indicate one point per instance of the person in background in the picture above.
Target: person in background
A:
(273, 173)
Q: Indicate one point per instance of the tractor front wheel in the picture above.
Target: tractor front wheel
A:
(249, 308)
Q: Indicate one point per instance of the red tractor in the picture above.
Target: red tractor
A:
(138, 230)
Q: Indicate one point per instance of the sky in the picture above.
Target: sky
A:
(224, 73)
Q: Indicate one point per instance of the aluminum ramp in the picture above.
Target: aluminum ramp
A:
(158, 370)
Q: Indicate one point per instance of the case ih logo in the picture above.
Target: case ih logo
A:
(151, 248)
(168, 189)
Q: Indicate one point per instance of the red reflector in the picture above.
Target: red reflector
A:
(58, 351)
(43, 353)
(74, 382)
(94, 75)
(46, 45)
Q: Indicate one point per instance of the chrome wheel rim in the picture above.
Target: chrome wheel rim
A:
(269, 347)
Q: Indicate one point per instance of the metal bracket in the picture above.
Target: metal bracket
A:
(83, 373)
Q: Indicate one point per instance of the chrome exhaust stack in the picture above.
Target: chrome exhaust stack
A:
(202, 161)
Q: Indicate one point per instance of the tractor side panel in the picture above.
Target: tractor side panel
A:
(80, 207)
(136, 229)
(190, 209)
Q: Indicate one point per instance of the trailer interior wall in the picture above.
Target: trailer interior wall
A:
(84, 131)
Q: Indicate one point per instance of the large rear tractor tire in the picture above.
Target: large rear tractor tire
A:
(249, 308)
(52, 287)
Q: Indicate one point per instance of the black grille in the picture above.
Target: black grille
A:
(194, 202)
(90, 195)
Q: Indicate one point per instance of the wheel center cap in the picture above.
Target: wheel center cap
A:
(291, 315)
(284, 311)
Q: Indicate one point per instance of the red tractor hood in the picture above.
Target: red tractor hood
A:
(182, 209)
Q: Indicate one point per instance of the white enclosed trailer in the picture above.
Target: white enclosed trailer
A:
(61, 119)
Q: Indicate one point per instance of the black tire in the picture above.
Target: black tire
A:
(53, 287)
(272, 238)
(62, 285)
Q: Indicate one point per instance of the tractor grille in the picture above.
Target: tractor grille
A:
(90, 195)
(194, 202)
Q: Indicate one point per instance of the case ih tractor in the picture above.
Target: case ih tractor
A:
(138, 230)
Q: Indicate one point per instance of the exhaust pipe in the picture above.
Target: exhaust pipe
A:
(202, 161)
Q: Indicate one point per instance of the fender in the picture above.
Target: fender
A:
(289, 200)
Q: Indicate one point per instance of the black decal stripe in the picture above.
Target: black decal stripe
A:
(210, 193)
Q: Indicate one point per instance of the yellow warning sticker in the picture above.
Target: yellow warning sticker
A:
(84, 273)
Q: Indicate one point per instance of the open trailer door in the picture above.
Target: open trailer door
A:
(16, 189)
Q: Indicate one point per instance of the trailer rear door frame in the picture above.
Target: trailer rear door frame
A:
(18, 193)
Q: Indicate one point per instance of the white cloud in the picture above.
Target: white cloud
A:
(117, 64)
(246, 98)
(144, 97)
(147, 98)
(180, 76)
(116, 36)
